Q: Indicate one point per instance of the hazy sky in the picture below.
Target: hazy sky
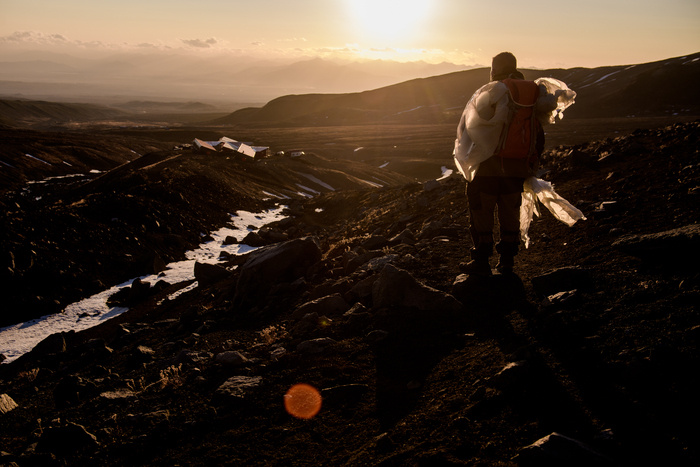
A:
(543, 34)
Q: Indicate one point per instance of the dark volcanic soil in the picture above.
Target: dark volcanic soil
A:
(466, 373)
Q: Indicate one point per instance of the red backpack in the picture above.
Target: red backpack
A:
(519, 136)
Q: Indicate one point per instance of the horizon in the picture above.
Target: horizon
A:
(238, 50)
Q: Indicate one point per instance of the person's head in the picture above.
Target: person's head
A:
(504, 65)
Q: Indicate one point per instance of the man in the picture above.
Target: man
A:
(498, 180)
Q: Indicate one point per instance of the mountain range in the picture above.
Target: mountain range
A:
(214, 79)
(663, 88)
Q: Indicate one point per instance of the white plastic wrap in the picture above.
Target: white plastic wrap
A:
(555, 97)
(535, 189)
(486, 113)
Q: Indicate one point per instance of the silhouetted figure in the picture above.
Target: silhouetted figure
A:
(497, 183)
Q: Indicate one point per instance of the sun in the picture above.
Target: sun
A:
(387, 19)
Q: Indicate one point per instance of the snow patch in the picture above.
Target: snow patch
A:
(307, 189)
(37, 159)
(317, 181)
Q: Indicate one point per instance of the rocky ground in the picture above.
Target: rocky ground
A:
(586, 356)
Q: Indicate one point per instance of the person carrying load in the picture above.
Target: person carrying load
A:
(500, 137)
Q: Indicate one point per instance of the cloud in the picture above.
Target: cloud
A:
(200, 43)
(34, 37)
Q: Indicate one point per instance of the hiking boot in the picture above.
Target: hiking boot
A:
(476, 267)
(507, 251)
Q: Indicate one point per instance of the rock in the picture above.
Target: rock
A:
(352, 260)
(152, 419)
(377, 335)
(567, 297)
(398, 288)
(271, 235)
(207, 274)
(254, 239)
(315, 345)
(191, 357)
(66, 439)
(6, 404)
(54, 344)
(129, 296)
(405, 237)
(229, 240)
(118, 395)
(308, 324)
(282, 262)
(363, 289)
(231, 358)
(331, 305)
(677, 247)
(556, 450)
(561, 280)
(237, 389)
(510, 375)
(376, 264)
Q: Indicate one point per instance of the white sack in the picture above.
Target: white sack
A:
(535, 189)
(486, 113)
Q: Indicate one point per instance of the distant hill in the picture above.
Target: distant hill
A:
(154, 106)
(20, 112)
(660, 88)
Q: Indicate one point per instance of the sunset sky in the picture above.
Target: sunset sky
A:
(542, 34)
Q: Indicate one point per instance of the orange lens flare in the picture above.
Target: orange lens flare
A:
(302, 401)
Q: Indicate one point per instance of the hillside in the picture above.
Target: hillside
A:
(586, 355)
(67, 237)
(660, 88)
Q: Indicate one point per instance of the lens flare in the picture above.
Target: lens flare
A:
(302, 401)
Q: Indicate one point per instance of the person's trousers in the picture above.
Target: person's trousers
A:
(484, 195)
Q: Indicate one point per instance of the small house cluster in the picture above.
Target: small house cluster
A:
(232, 146)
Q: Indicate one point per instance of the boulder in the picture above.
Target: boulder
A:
(237, 389)
(398, 288)
(669, 246)
(254, 239)
(54, 344)
(331, 305)
(268, 266)
(207, 274)
(315, 345)
(231, 358)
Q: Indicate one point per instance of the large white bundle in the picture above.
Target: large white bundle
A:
(486, 113)
(535, 189)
